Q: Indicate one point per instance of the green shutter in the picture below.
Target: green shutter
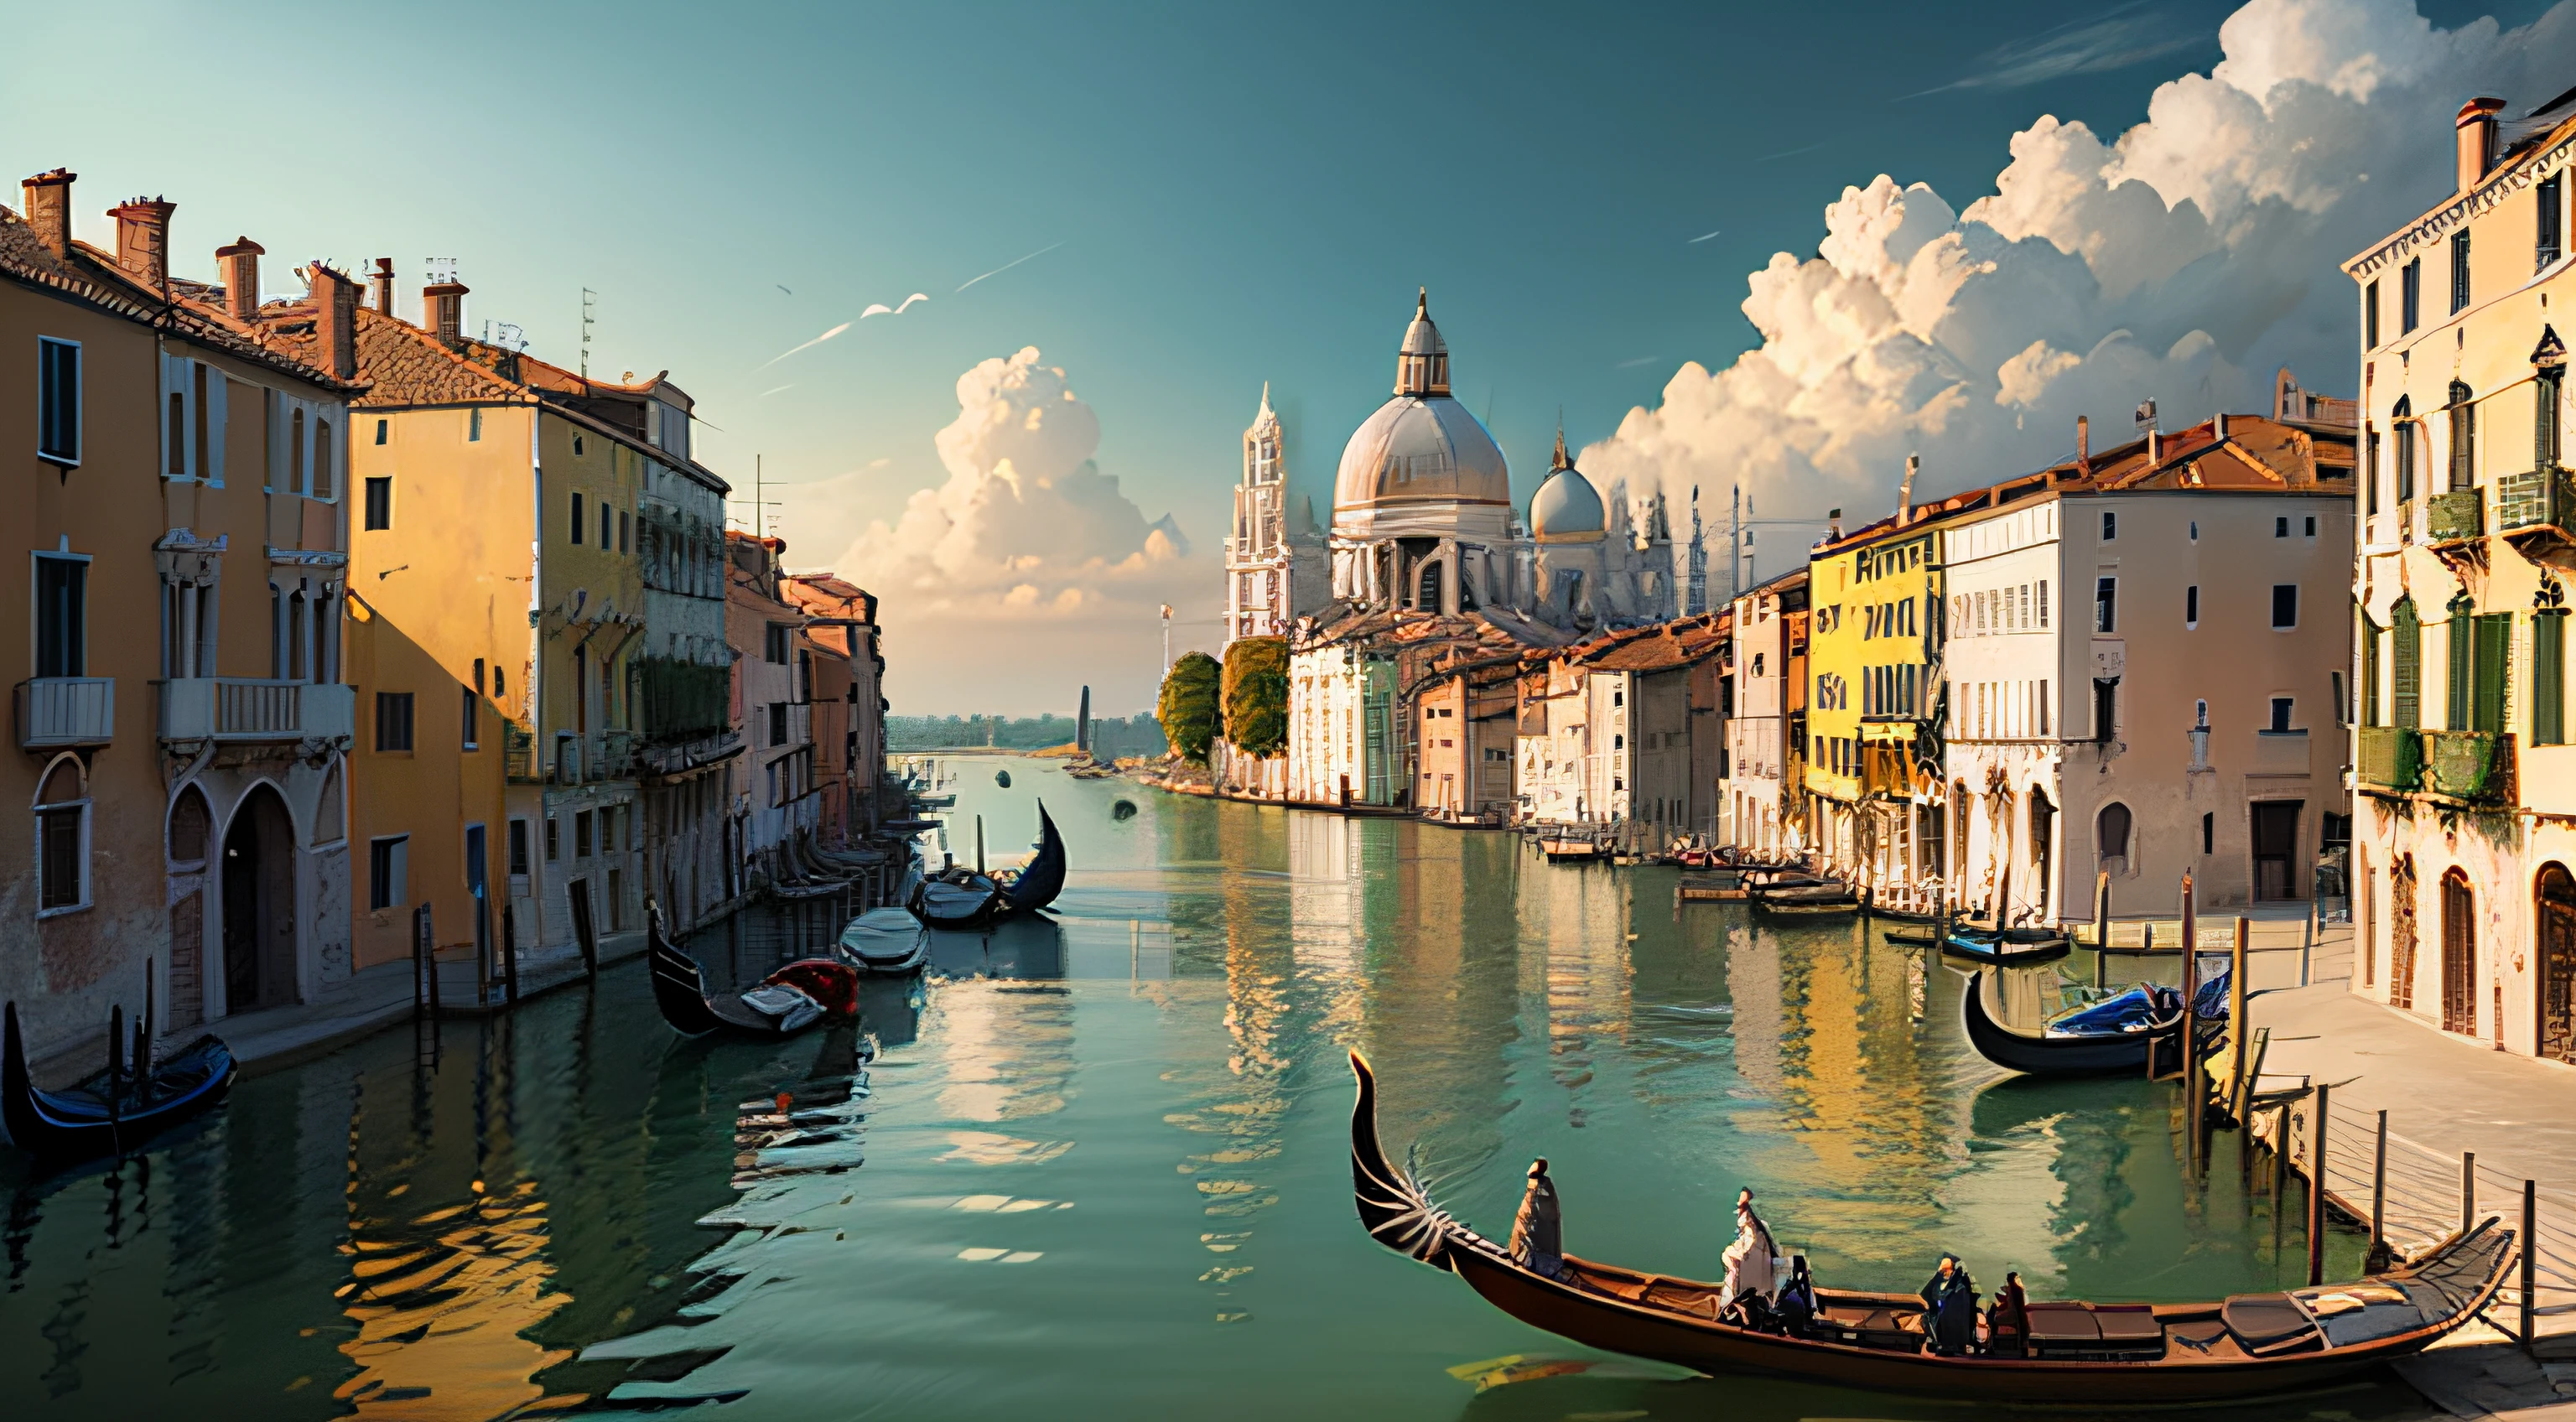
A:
(2494, 637)
(2371, 652)
(2459, 646)
(2549, 678)
(2406, 686)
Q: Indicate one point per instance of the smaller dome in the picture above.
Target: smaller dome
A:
(1567, 509)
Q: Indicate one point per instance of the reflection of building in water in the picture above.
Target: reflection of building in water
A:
(1323, 894)
(1005, 1049)
(1581, 917)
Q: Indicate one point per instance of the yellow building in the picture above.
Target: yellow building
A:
(499, 630)
(178, 703)
(2463, 898)
(1873, 748)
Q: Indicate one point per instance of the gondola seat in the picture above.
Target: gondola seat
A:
(1878, 1328)
(2265, 1324)
(2076, 1331)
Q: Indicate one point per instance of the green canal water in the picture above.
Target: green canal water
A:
(1099, 1168)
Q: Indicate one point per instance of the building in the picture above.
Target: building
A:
(775, 796)
(498, 573)
(841, 621)
(1274, 563)
(1874, 748)
(684, 670)
(2463, 900)
(181, 498)
(1763, 787)
(1612, 731)
(2144, 651)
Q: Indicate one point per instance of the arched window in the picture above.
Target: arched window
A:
(190, 823)
(2459, 954)
(2554, 898)
(62, 838)
(2464, 438)
(2111, 836)
(2402, 431)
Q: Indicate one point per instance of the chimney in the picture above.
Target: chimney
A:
(335, 323)
(1834, 529)
(2220, 424)
(2084, 442)
(240, 266)
(442, 309)
(2155, 447)
(382, 279)
(143, 240)
(48, 209)
(2477, 135)
(1905, 491)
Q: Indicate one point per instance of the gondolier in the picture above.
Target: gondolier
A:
(1749, 1259)
(1538, 1232)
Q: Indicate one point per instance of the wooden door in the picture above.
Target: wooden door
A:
(2459, 955)
(2557, 914)
(2401, 933)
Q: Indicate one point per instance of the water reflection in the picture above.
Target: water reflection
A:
(1096, 1165)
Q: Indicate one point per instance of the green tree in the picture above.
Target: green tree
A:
(1256, 695)
(1188, 708)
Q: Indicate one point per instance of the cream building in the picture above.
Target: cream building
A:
(2466, 804)
(1274, 562)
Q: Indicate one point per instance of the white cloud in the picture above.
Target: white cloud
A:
(1028, 572)
(2182, 261)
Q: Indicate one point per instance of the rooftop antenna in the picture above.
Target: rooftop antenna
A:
(759, 500)
(589, 315)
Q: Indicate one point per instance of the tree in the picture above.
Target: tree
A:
(1188, 708)
(1256, 695)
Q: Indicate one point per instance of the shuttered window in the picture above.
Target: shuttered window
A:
(2406, 666)
(2494, 642)
(2549, 677)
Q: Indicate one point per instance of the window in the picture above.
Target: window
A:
(2460, 270)
(62, 616)
(581, 834)
(2111, 831)
(2410, 296)
(2370, 315)
(2342, 708)
(2208, 833)
(2280, 714)
(554, 839)
(2195, 532)
(393, 720)
(2191, 606)
(578, 522)
(2309, 528)
(473, 425)
(472, 716)
(2106, 709)
(2464, 438)
(2545, 384)
(62, 839)
(775, 648)
(2281, 527)
(605, 542)
(2404, 432)
(2549, 675)
(2548, 246)
(2043, 604)
(380, 430)
(519, 848)
(389, 872)
(624, 527)
(2406, 665)
(58, 400)
(576, 444)
(2370, 472)
(380, 502)
(2110, 525)
(2106, 604)
(2285, 606)
(778, 723)
(324, 485)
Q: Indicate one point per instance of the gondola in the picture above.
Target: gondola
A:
(957, 898)
(886, 942)
(115, 1110)
(2080, 1353)
(785, 1003)
(1036, 883)
(2110, 1036)
(2005, 952)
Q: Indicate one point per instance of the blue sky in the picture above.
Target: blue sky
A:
(1219, 196)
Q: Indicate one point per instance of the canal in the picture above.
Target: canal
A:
(1099, 1167)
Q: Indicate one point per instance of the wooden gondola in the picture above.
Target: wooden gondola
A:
(787, 1002)
(115, 1110)
(2247, 1345)
(1036, 883)
(1563, 849)
(957, 898)
(2058, 1052)
(886, 942)
(2005, 952)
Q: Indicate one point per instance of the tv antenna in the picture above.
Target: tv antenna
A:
(589, 315)
(758, 501)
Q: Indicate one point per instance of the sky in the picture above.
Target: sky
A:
(1665, 225)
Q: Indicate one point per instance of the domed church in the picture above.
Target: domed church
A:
(1423, 519)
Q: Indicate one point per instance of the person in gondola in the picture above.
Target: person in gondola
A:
(1796, 1311)
(1538, 1231)
(2008, 1319)
(1950, 1308)
(1749, 1267)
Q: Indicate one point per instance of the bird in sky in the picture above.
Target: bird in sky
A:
(781, 288)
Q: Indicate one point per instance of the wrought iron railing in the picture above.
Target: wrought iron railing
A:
(2456, 517)
(2390, 758)
(2543, 498)
(2474, 766)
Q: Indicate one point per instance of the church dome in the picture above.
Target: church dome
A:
(1422, 453)
(1567, 509)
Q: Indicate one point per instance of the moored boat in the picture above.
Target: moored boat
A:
(785, 1003)
(886, 942)
(1035, 884)
(2005, 952)
(957, 898)
(2114, 1035)
(115, 1110)
(2078, 1352)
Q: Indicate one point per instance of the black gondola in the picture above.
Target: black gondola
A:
(1042, 878)
(787, 1002)
(957, 898)
(112, 1111)
(2005, 952)
(2086, 1041)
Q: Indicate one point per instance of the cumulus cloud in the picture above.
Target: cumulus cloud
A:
(2182, 261)
(1028, 566)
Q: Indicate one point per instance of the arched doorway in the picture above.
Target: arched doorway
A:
(2402, 938)
(2111, 839)
(2555, 901)
(190, 831)
(259, 904)
(2459, 954)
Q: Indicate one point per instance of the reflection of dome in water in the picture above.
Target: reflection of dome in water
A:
(1567, 509)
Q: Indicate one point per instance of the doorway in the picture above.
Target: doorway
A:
(2276, 849)
(2557, 914)
(259, 904)
(2459, 955)
(2401, 933)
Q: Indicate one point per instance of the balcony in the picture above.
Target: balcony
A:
(615, 759)
(2455, 517)
(59, 712)
(2391, 758)
(518, 755)
(2475, 767)
(241, 709)
(2543, 498)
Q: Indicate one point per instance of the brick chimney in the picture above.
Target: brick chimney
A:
(143, 240)
(48, 209)
(240, 265)
(2084, 442)
(443, 310)
(382, 280)
(335, 322)
(2477, 139)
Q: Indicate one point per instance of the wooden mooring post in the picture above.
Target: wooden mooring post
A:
(2237, 1032)
(424, 962)
(2378, 1259)
(2102, 929)
(510, 952)
(2191, 1091)
(2530, 1272)
(2317, 1188)
(2280, 1171)
(2468, 1189)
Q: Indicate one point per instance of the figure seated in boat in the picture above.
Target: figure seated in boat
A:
(1752, 1267)
(1795, 1312)
(1538, 1232)
(1950, 1309)
(2008, 1320)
